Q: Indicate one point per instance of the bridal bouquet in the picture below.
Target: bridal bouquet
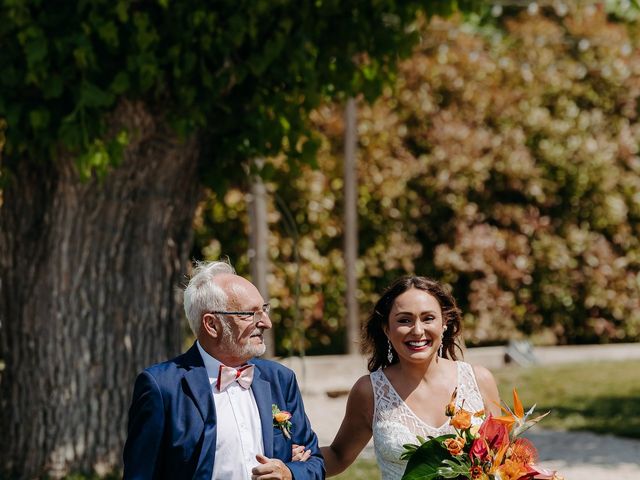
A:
(492, 450)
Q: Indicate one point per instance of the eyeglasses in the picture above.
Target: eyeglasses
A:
(256, 315)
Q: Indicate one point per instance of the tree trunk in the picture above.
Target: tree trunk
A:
(89, 277)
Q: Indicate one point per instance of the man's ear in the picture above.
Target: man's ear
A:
(211, 325)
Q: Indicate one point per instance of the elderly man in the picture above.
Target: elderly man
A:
(216, 412)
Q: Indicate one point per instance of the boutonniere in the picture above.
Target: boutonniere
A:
(281, 420)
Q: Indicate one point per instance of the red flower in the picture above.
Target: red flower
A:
(495, 433)
(479, 450)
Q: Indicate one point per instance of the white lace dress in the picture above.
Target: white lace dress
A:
(395, 424)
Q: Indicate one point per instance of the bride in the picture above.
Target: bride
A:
(411, 337)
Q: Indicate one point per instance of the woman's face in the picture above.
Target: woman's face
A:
(415, 326)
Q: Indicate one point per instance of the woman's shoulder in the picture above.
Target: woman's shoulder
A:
(362, 388)
(361, 399)
(483, 375)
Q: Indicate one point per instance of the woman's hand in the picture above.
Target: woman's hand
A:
(299, 454)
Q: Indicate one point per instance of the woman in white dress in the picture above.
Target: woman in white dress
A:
(411, 337)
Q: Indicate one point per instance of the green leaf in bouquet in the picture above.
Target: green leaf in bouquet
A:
(455, 468)
(409, 449)
(427, 459)
(527, 424)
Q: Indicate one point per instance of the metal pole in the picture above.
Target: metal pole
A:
(351, 226)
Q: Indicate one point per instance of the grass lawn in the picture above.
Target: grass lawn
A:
(602, 397)
(361, 469)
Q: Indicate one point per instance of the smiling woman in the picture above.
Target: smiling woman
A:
(411, 337)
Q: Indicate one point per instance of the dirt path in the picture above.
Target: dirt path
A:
(585, 455)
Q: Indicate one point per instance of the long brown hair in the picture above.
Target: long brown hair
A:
(374, 341)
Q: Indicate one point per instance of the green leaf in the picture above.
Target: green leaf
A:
(95, 160)
(39, 118)
(36, 50)
(455, 468)
(93, 96)
(427, 459)
(122, 10)
(286, 126)
(52, 87)
(309, 151)
(109, 33)
(120, 83)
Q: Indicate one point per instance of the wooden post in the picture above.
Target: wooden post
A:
(258, 247)
(351, 226)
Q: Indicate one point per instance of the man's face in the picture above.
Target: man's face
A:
(242, 339)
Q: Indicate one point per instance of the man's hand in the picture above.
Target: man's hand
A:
(270, 469)
(299, 454)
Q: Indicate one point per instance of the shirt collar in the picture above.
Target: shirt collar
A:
(211, 364)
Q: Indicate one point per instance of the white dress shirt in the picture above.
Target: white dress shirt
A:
(239, 431)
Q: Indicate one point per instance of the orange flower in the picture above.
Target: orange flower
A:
(461, 420)
(512, 417)
(282, 417)
(454, 445)
(511, 470)
(523, 451)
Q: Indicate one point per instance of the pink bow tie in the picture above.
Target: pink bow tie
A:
(228, 375)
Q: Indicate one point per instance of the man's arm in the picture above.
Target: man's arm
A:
(144, 435)
(313, 468)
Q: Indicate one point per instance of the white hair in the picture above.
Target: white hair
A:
(202, 294)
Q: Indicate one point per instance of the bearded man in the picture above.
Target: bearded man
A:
(217, 412)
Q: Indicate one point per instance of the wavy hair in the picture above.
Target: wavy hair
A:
(202, 294)
(374, 340)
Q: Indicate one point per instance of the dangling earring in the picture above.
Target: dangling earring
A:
(442, 342)
(389, 353)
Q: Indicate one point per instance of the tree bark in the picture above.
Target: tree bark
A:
(89, 277)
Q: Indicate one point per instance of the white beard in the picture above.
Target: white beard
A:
(247, 350)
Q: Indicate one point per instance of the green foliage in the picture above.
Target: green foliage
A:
(504, 161)
(426, 461)
(528, 142)
(244, 74)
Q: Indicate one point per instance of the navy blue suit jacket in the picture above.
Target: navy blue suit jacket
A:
(172, 421)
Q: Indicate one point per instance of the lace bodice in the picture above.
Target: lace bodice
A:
(395, 424)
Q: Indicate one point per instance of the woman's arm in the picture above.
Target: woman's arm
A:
(488, 390)
(355, 431)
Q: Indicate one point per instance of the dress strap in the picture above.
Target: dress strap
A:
(468, 388)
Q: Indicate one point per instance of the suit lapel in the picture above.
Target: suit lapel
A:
(262, 393)
(197, 381)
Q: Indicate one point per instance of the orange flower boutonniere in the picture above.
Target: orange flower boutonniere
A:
(281, 420)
